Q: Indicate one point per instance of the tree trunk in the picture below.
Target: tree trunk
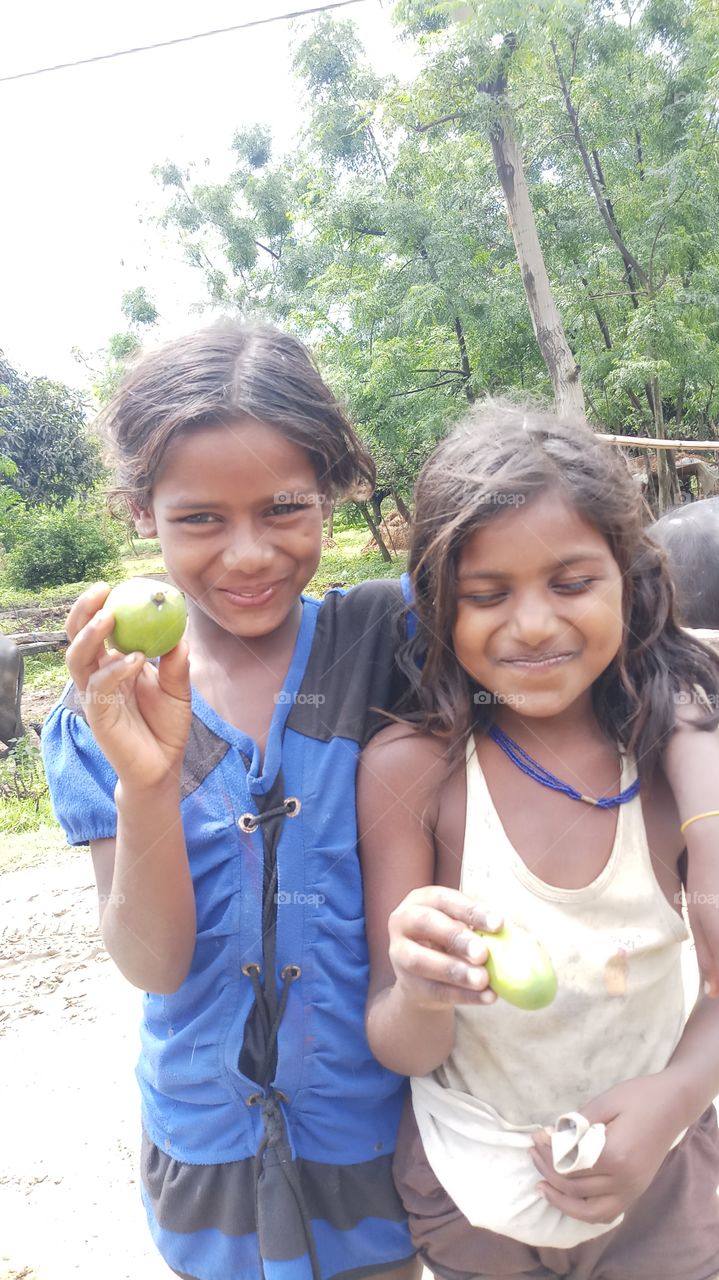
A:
(546, 320)
(375, 531)
(402, 507)
(667, 490)
(331, 521)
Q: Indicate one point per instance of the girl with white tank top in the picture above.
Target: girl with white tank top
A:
(565, 744)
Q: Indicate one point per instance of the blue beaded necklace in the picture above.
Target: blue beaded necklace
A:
(533, 769)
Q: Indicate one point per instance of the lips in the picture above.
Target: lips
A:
(251, 595)
(532, 662)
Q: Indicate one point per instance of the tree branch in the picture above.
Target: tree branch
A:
(607, 214)
(413, 391)
(432, 124)
(267, 249)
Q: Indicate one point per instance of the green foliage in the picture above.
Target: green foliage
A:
(138, 307)
(12, 507)
(44, 434)
(337, 568)
(121, 346)
(22, 778)
(253, 146)
(72, 544)
(347, 516)
(384, 240)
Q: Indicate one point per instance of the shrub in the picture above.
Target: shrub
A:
(21, 773)
(53, 547)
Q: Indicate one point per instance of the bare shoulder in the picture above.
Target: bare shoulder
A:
(407, 760)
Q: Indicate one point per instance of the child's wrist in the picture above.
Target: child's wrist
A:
(158, 793)
(685, 1099)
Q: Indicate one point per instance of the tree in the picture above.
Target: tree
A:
(107, 367)
(619, 102)
(590, 128)
(43, 431)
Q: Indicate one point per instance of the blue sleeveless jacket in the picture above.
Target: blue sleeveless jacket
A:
(268, 1125)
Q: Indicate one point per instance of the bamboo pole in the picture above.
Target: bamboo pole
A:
(647, 442)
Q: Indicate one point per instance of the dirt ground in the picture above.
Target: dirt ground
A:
(68, 1111)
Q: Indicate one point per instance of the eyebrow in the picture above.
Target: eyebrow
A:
(286, 491)
(587, 557)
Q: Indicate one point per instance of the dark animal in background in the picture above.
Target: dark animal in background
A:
(12, 674)
(690, 537)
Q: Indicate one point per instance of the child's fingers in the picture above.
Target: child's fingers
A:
(103, 690)
(458, 906)
(88, 647)
(446, 978)
(85, 607)
(597, 1209)
(422, 922)
(583, 1184)
(174, 672)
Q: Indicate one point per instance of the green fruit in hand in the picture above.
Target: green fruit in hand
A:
(150, 617)
(519, 968)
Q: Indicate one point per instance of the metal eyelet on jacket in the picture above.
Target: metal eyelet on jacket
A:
(290, 972)
(249, 822)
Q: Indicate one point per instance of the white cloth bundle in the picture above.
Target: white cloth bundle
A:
(484, 1164)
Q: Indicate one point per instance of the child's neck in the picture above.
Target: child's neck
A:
(238, 676)
(577, 723)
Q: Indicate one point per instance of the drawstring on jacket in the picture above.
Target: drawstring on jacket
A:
(278, 1191)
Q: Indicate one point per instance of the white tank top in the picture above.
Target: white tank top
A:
(616, 948)
(618, 1013)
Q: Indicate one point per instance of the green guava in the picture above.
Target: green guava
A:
(150, 617)
(518, 967)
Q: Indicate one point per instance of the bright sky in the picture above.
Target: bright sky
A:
(78, 146)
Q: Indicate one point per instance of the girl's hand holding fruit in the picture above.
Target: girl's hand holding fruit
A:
(139, 713)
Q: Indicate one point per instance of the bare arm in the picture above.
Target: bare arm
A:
(424, 957)
(147, 902)
(693, 1070)
(691, 765)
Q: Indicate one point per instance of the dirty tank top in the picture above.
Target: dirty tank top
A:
(615, 945)
(618, 1013)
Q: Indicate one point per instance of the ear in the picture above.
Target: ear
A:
(144, 521)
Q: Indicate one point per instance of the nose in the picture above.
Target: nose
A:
(248, 550)
(534, 620)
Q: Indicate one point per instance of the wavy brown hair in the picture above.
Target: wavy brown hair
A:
(500, 456)
(219, 375)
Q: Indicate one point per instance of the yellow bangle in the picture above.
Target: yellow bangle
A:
(710, 813)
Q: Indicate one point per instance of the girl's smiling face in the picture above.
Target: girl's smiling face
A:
(539, 606)
(238, 511)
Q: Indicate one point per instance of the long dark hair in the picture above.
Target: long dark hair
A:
(219, 375)
(500, 456)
